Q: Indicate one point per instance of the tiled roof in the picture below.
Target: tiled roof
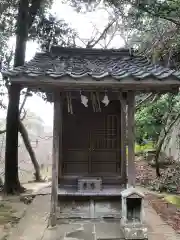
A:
(96, 63)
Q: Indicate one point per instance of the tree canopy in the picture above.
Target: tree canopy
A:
(152, 27)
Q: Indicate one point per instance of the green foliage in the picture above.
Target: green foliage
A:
(152, 118)
(43, 27)
(173, 199)
(145, 148)
(48, 31)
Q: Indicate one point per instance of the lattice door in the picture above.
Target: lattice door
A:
(105, 145)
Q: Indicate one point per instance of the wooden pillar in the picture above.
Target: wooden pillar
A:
(11, 153)
(57, 138)
(131, 139)
(123, 139)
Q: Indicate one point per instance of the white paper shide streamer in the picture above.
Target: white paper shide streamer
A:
(84, 100)
(105, 100)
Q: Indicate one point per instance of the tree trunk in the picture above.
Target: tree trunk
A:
(12, 184)
(31, 152)
(156, 158)
(158, 151)
(21, 33)
(1, 182)
(25, 19)
(159, 146)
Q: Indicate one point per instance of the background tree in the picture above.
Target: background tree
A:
(40, 137)
(31, 15)
(155, 121)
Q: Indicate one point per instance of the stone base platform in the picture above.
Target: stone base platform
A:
(34, 225)
(107, 191)
(86, 230)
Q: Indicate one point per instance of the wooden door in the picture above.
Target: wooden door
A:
(91, 140)
(105, 144)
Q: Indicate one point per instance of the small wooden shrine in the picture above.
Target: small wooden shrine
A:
(93, 91)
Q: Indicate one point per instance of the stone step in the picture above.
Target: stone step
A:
(122, 238)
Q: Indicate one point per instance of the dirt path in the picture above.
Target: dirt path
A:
(14, 208)
(35, 221)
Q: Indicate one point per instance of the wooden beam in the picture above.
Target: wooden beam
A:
(87, 82)
(131, 138)
(60, 122)
(57, 133)
(123, 137)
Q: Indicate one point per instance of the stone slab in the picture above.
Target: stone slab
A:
(74, 209)
(90, 209)
(85, 231)
(108, 230)
(60, 231)
(107, 209)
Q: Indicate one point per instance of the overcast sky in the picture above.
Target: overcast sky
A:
(84, 25)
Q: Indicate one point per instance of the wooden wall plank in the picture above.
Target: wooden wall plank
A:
(131, 138)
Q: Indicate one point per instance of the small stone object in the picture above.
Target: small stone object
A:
(73, 205)
(133, 221)
(26, 199)
(136, 233)
(89, 184)
(7, 226)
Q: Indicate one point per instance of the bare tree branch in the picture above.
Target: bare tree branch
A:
(24, 115)
(24, 101)
(20, 111)
(90, 44)
(144, 100)
(156, 97)
(111, 37)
